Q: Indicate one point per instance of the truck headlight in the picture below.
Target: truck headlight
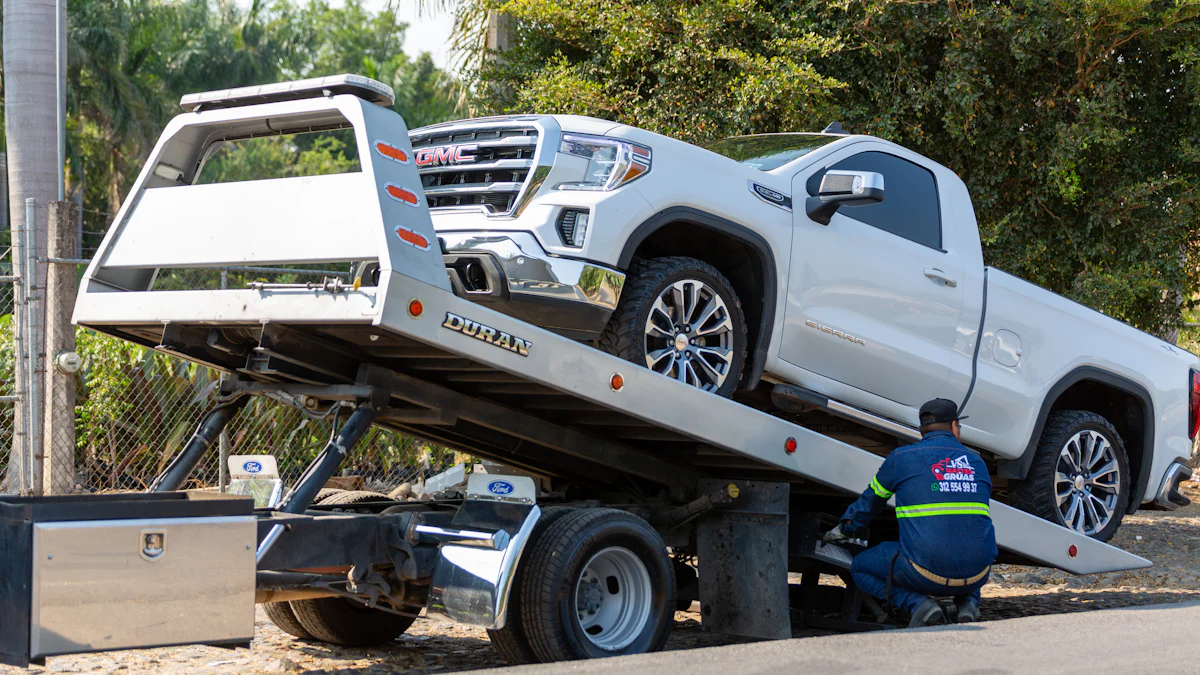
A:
(611, 162)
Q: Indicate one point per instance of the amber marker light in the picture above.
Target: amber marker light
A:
(415, 308)
(616, 382)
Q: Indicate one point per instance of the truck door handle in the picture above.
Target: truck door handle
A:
(940, 277)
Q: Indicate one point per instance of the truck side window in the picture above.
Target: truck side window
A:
(910, 206)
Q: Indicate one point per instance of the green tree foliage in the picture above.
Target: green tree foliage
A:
(1075, 123)
(130, 61)
(693, 70)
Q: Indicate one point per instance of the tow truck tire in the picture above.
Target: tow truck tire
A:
(510, 641)
(599, 583)
(281, 614)
(648, 281)
(1068, 439)
(342, 621)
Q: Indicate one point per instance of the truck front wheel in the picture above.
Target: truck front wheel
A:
(680, 317)
(1080, 475)
(599, 583)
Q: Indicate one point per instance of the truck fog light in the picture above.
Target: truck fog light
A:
(573, 226)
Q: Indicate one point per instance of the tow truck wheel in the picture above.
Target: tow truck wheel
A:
(510, 641)
(599, 583)
(1080, 475)
(281, 614)
(680, 317)
(342, 621)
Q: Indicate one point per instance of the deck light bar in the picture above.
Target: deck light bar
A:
(362, 87)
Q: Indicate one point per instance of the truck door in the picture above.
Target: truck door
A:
(873, 299)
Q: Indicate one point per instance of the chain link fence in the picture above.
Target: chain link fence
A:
(8, 363)
(135, 408)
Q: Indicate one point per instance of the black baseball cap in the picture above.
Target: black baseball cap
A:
(939, 410)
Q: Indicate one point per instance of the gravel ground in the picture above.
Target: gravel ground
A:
(1170, 539)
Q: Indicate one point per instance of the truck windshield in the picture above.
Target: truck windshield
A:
(768, 151)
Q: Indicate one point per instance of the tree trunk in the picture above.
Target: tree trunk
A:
(31, 133)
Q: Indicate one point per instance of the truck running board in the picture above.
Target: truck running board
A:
(798, 399)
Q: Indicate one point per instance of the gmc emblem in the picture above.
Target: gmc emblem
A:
(446, 154)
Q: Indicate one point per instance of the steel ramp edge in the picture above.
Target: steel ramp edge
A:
(586, 372)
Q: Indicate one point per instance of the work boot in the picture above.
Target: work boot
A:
(968, 609)
(928, 613)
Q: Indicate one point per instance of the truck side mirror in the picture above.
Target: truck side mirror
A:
(844, 188)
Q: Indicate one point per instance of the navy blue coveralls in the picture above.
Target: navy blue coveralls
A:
(947, 542)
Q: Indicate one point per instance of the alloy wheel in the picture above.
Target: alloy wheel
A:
(1087, 482)
(689, 335)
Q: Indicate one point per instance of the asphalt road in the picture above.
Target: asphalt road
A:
(1152, 639)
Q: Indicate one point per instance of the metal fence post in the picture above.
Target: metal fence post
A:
(223, 439)
(16, 479)
(58, 438)
(33, 390)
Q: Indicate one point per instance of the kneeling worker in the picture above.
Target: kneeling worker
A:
(947, 544)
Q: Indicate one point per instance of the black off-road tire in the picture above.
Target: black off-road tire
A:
(326, 493)
(510, 641)
(624, 336)
(351, 497)
(281, 614)
(341, 621)
(1036, 493)
(553, 568)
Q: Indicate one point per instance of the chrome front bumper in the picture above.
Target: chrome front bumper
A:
(1168, 496)
(512, 273)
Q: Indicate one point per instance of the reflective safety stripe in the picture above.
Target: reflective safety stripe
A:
(944, 509)
(883, 492)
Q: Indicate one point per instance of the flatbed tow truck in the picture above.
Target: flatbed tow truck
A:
(622, 479)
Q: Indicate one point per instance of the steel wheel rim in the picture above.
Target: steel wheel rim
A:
(1087, 482)
(689, 335)
(613, 598)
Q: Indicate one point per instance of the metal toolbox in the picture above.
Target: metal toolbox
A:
(100, 572)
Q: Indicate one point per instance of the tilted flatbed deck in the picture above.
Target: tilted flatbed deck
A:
(403, 351)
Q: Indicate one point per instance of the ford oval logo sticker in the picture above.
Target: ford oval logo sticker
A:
(500, 487)
(252, 467)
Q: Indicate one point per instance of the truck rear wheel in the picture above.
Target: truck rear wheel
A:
(511, 641)
(1080, 475)
(281, 614)
(342, 621)
(680, 317)
(598, 583)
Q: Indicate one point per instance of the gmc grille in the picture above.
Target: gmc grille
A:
(496, 176)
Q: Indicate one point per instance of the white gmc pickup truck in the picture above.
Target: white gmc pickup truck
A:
(835, 279)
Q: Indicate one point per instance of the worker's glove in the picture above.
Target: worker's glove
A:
(835, 536)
